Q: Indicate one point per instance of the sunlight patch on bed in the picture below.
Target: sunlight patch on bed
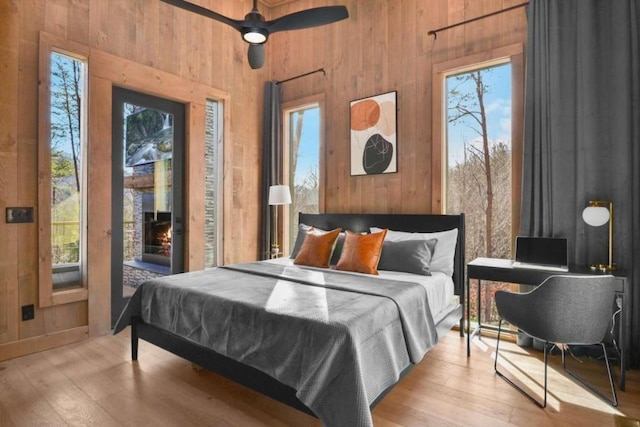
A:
(297, 273)
(291, 298)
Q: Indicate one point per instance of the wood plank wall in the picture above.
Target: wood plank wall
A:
(384, 46)
(144, 45)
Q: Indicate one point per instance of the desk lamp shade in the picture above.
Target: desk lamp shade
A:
(598, 213)
(595, 216)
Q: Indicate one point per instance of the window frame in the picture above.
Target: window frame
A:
(288, 108)
(512, 54)
(47, 297)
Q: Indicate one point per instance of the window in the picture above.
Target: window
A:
(62, 172)
(478, 161)
(479, 130)
(67, 181)
(302, 136)
(213, 180)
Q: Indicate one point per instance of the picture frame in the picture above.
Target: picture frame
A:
(373, 134)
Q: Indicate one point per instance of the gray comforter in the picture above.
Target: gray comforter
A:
(338, 339)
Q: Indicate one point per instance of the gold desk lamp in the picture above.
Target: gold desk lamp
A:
(598, 213)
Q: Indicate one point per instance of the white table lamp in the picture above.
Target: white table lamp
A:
(278, 195)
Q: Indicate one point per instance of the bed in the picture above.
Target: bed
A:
(254, 310)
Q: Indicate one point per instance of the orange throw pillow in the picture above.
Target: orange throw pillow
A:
(317, 248)
(361, 252)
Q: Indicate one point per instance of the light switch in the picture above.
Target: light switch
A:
(18, 215)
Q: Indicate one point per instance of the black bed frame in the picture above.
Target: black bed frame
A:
(263, 383)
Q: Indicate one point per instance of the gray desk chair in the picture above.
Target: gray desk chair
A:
(561, 310)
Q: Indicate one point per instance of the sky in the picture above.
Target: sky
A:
(498, 108)
(308, 152)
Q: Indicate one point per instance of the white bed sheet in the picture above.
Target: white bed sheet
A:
(439, 286)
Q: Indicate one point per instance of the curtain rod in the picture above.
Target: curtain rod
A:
(319, 70)
(457, 24)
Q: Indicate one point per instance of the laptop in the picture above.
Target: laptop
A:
(541, 253)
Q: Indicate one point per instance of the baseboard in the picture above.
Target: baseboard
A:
(43, 342)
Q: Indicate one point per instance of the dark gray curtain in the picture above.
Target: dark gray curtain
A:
(271, 158)
(582, 132)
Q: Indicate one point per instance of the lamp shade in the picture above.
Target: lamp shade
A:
(279, 195)
(595, 215)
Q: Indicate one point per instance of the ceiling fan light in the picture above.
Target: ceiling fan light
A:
(254, 36)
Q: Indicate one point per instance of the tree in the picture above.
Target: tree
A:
(306, 193)
(304, 176)
(480, 184)
(469, 108)
(66, 91)
(305, 198)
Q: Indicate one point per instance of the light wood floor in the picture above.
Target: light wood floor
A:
(95, 383)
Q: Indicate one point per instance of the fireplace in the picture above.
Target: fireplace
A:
(157, 238)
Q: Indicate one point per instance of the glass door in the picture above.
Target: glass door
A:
(147, 205)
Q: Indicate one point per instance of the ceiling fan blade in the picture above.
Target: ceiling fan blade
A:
(255, 55)
(182, 4)
(308, 18)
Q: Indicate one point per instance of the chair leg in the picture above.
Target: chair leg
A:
(517, 387)
(614, 401)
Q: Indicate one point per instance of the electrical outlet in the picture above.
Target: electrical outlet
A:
(619, 301)
(19, 215)
(28, 312)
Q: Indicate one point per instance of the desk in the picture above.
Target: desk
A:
(500, 270)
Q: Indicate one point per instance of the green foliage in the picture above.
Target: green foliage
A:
(65, 229)
(61, 165)
(67, 253)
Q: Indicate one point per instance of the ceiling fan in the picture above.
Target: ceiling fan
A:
(255, 30)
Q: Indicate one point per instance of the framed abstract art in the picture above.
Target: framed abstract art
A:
(374, 140)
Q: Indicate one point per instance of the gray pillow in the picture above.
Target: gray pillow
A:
(410, 256)
(302, 233)
(444, 253)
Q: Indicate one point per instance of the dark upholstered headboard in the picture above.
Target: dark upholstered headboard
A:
(399, 222)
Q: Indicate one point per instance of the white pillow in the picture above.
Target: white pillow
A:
(444, 252)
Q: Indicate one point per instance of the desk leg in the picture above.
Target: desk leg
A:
(479, 310)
